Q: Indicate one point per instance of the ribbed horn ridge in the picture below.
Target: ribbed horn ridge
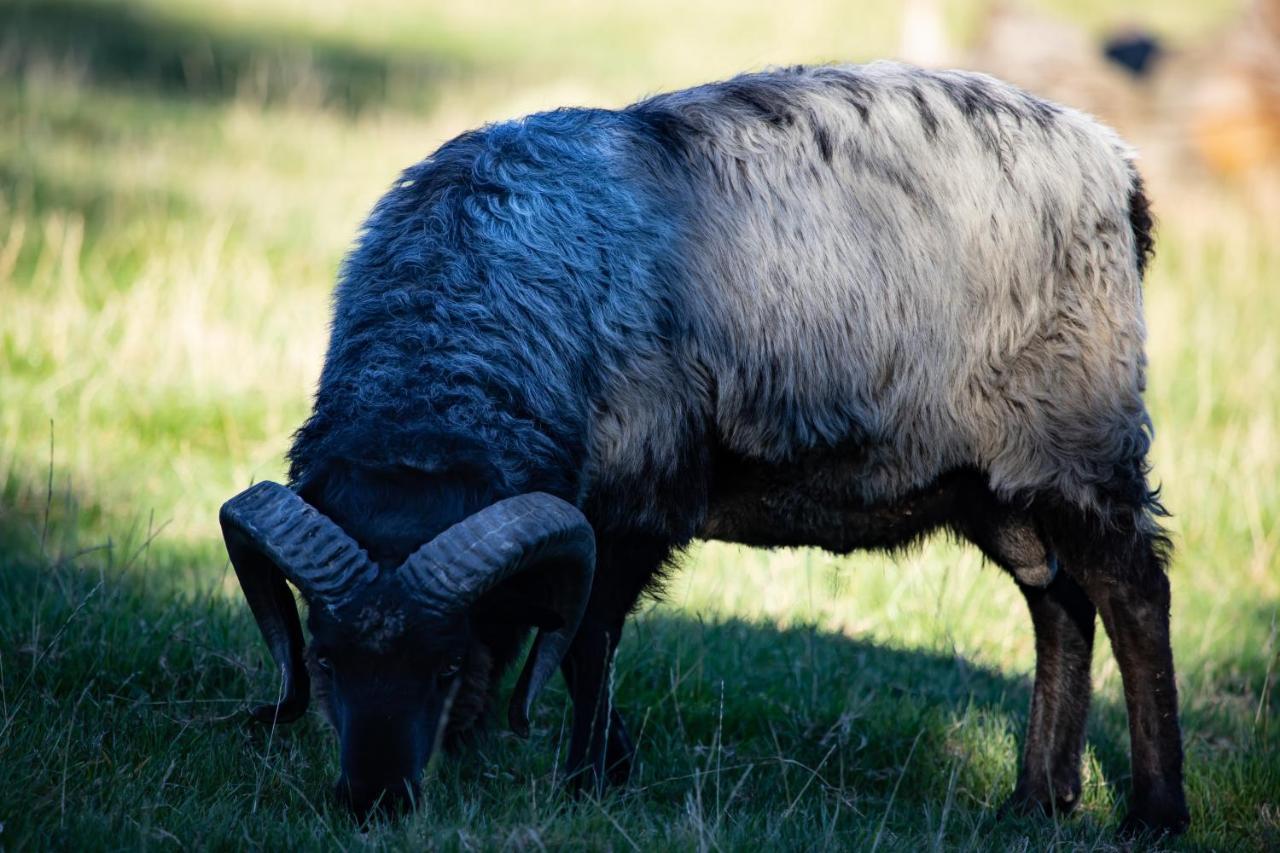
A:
(272, 534)
(314, 553)
(530, 532)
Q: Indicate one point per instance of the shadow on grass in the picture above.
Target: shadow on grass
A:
(126, 671)
(115, 45)
(132, 667)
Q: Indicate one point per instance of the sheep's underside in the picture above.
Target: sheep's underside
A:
(810, 501)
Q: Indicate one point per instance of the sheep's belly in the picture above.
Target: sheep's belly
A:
(813, 500)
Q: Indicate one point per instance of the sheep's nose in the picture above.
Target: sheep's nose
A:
(364, 799)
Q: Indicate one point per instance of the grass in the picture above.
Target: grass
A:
(177, 187)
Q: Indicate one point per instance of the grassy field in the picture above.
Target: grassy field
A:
(177, 187)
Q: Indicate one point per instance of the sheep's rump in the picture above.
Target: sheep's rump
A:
(935, 269)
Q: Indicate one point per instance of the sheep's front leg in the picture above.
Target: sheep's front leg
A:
(600, 751)
(1049, 778)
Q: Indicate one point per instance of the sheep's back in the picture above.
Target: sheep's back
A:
(937, 267)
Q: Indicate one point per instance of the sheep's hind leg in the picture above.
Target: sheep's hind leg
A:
(1134, 604)
(1120, 567)
(1064, 619)
(1049, 777)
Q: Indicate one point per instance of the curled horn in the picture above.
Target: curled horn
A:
(272, 534)
(530, 532)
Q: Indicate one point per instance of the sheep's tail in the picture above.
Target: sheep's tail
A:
(1142, 223)
(1150, 509)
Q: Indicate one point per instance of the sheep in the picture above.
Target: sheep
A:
(821, 306)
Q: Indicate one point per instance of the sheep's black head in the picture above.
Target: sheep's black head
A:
(386, 680)
(393, 652)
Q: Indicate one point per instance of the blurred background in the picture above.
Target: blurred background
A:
(179, 181)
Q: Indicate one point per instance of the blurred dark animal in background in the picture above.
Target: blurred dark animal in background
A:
(1136, 51)
(1209, 106)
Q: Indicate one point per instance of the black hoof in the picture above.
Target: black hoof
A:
(1155, 820)
(589, 781)
(286, 712)
(618, 773)
(585, 782)
(1024, 803)
(613, 769)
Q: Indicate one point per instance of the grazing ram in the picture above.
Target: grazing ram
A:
(830, 306)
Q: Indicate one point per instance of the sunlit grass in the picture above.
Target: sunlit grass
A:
(166, 255)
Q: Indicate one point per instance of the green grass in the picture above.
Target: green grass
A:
(176, 189)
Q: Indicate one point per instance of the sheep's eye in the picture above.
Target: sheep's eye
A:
(325, 665)
(450, 669)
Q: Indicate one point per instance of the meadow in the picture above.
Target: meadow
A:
(178, 184)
